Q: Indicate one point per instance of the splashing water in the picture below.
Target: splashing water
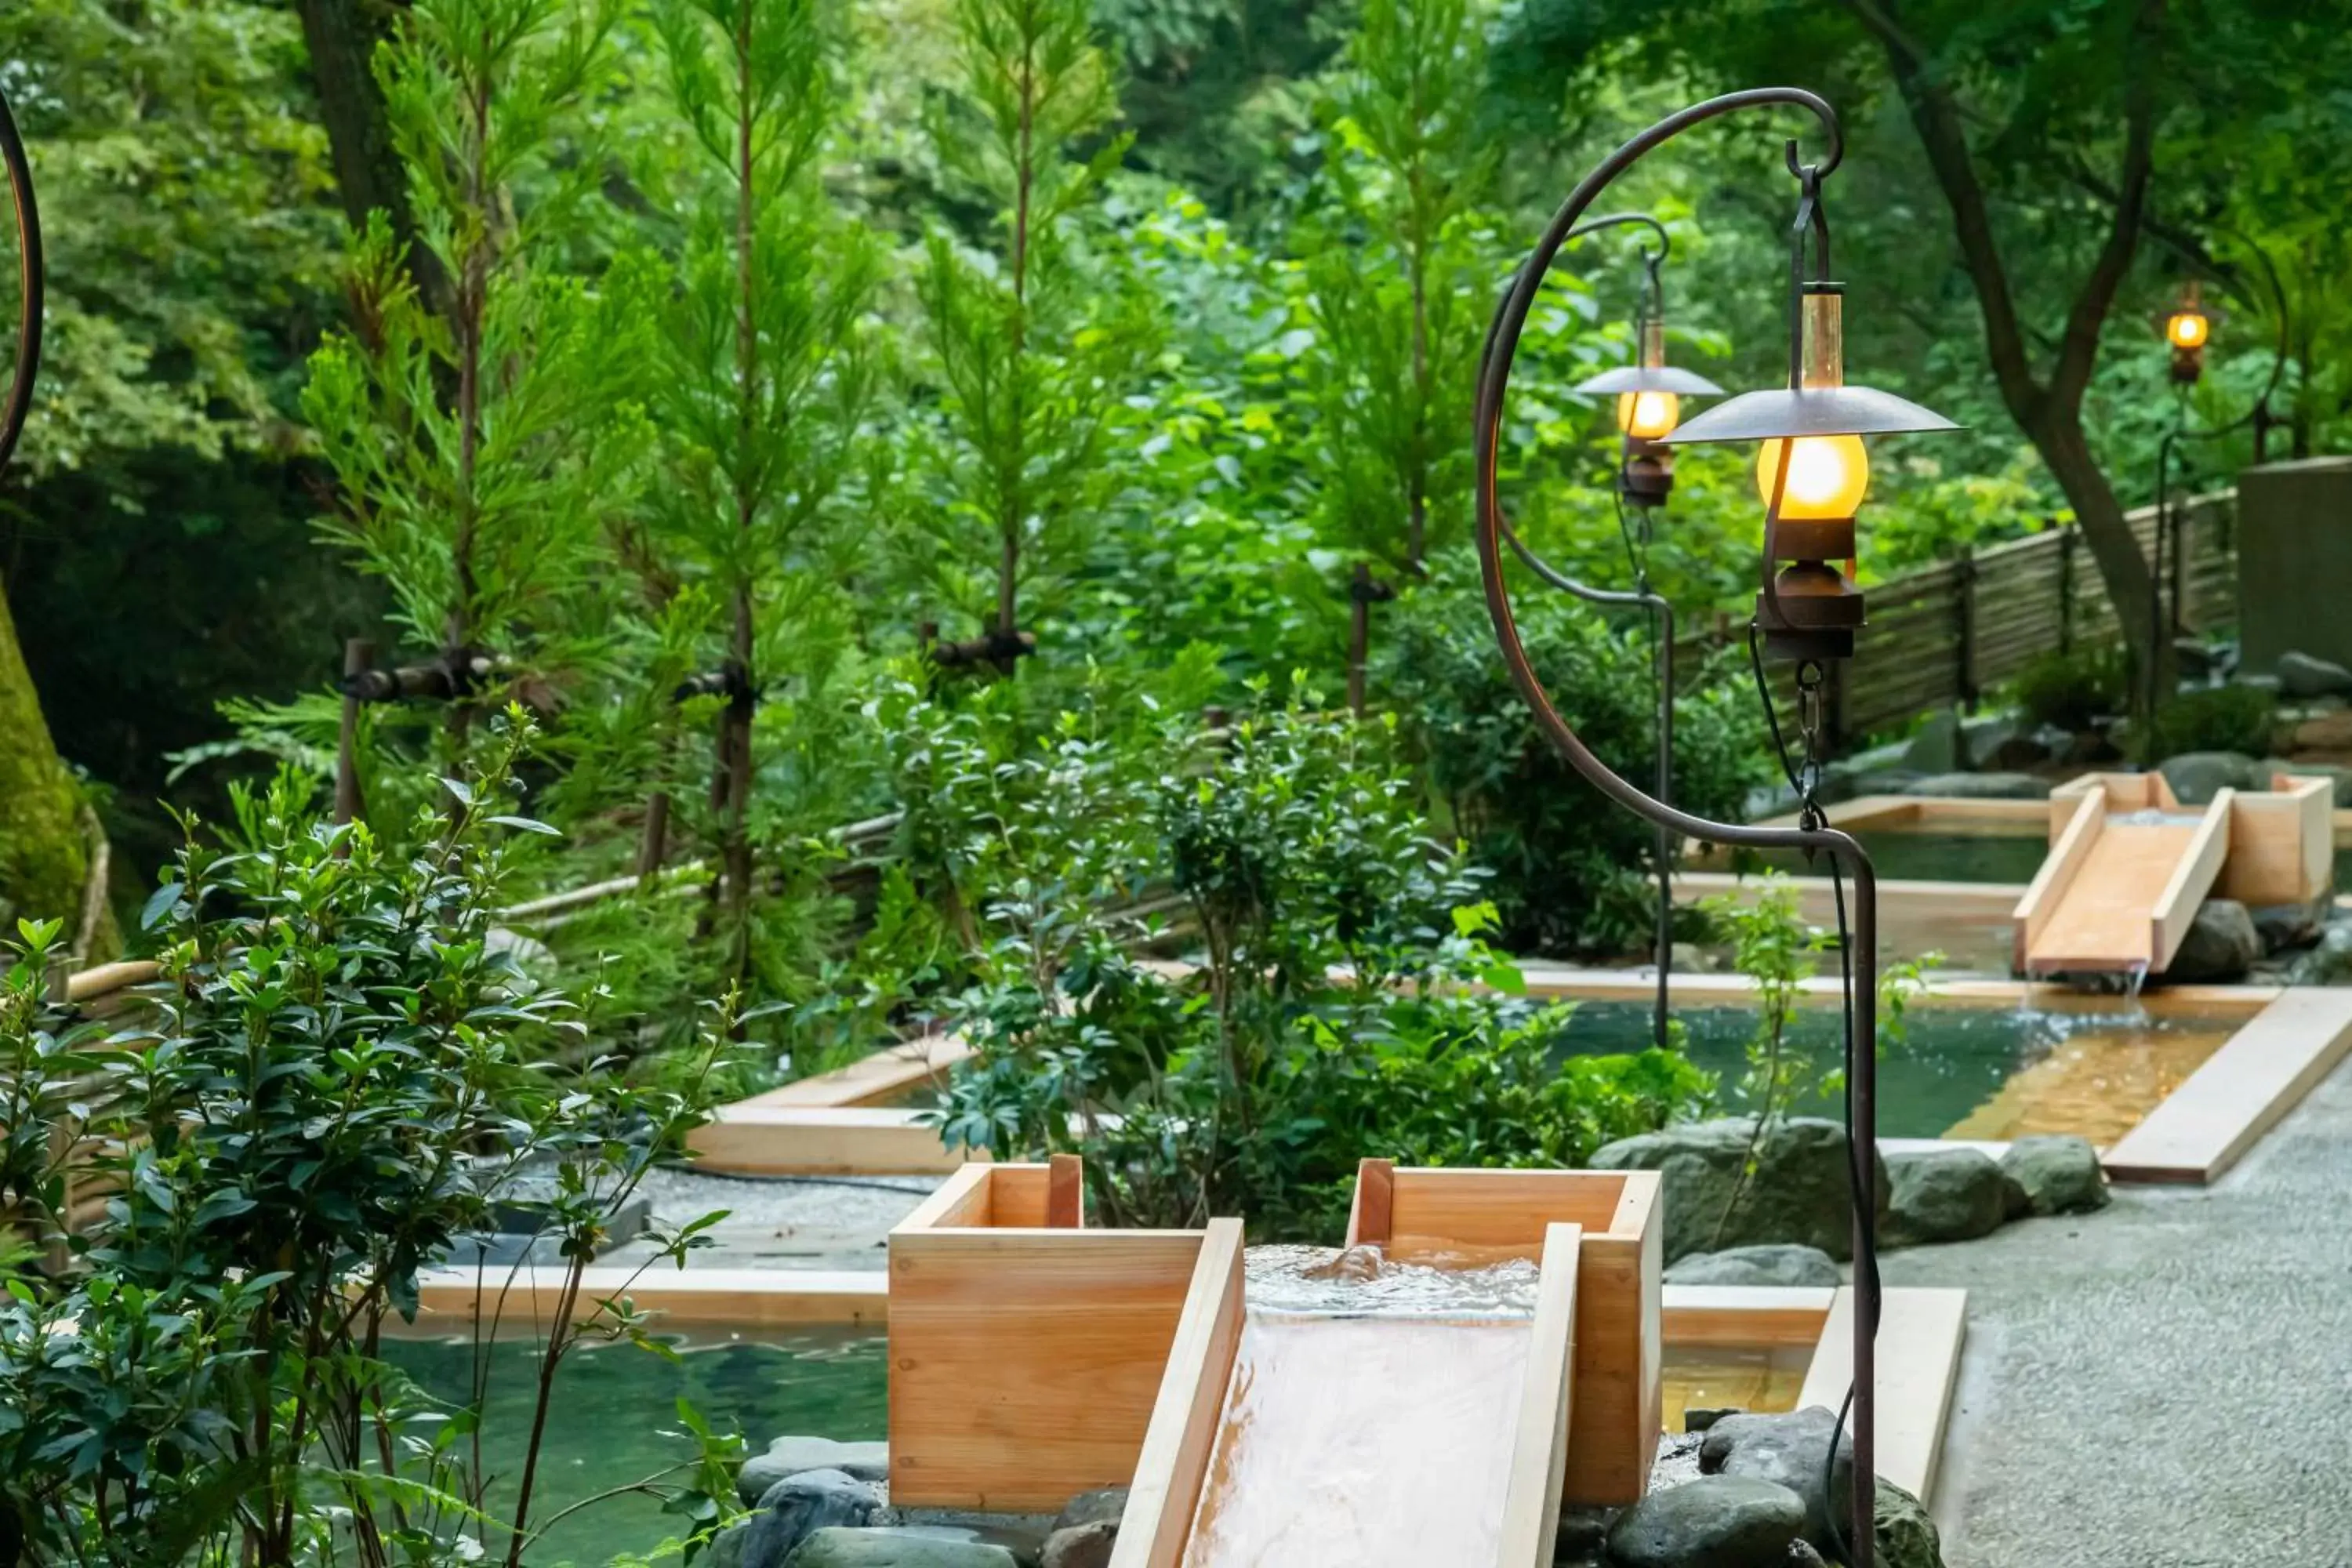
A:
(1362, 1282)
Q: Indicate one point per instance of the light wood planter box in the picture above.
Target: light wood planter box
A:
(1025, 1352)
(1492, 1214)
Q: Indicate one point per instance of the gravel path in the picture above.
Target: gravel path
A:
(2160, 1385)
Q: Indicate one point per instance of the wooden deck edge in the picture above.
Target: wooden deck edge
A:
(2241, 1091)
(1920, 1332)
(1570, 982)
(882, 1079)
(1538, 1461)
(822, 1141)
(1181, 1437)
(525, 1299)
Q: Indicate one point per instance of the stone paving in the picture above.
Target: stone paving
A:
(2162, 1384)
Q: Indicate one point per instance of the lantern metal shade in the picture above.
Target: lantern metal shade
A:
(1650, 378)
(1782, 413)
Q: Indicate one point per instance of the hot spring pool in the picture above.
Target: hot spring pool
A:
(1727, 1377)
(1962, 1072)
(614, 1406)
(1939, 855)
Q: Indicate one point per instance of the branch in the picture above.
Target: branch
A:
(2079, 350)
(1937, 118)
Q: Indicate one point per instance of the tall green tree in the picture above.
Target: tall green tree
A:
(2050, 134)
(478, 449)
(764, 375)
(1034, 340)
(1401, 278)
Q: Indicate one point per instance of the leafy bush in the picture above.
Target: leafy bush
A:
(2074, 690)
(343, 1071)
(1328, 1015)
(2224, 719)
(1572, 872)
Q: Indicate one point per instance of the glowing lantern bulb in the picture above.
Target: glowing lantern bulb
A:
(2188, 329)
(1826, 478)
(1647, 416)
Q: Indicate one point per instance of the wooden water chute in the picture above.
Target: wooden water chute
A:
(2129, 865)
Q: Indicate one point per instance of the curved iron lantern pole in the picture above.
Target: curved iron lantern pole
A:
(1642, 596)
(30, 274)
(1808, 612)
(2258, 417)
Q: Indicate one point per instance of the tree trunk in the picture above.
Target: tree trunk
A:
(44, 859)
(2123, 568)
(341, 36)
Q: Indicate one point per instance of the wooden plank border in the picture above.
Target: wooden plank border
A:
(1538, 1462)
(1920, 1333)
(822, 1141)
(1177, 1445)
(2240, 1092)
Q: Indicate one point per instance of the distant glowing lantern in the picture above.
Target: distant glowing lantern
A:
(2187, 327)
(1650, 393)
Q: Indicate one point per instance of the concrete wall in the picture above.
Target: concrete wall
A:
(2294, 560)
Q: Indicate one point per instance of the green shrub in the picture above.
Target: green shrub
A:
(2073, 691)
(2224, 719)
(1573, 873)
(1328, 1016)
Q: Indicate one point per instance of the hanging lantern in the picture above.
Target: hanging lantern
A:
(1649, 395)
(2185, 329)
(1811, 472)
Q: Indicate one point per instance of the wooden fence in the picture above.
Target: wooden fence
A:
(1944, 637)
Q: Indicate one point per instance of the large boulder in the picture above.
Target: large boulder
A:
(899, 1546)
(1093, 1508)
(1943, 1195)
(1936, 746)
(2196, 777)
(1772, 1264)
(1799, 1193)
(2330, 963)
(789, 1512)
(2056, 1173)
(1981, 787)
(2284, 928)
(1083, 1546)
(1791, 1450)
(1720, 1522)
(1905, 1536)
(789, 1456)
(2307, 675)
(2221, 946)
(1715, 1521)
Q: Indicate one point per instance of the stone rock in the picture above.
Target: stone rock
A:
(899, 1546)
(2057, 1174)
(2090, 749)
(1700, 1420)
(1715, 1521)
(799, 1505)
(2330, 963)
(2286, 927)
(1582, 1535)
(1789, 1450)
(1934, 745)
(2196, 777)
(1772, 1264)
(1906, 1537)
(1981, 787)
(2020, 752)
(1800, 1192)
(1982, 738)
(1087, 1546)
(2221, 946)
(2305, 675)
(2196, 660)
(1092, 1507)
(1802, 1555)
(789, 1456)
(1944, 1194)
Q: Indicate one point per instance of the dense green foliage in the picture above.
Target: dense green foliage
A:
(1333, 1010)
(342, 1073)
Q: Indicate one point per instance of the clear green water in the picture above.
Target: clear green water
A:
(616, 1408)
(1953, 1062)
(1926, 857)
